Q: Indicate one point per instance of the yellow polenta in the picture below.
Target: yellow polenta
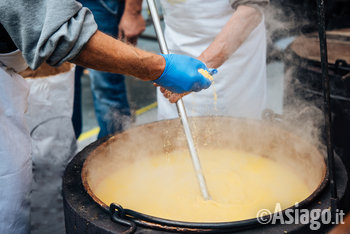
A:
(205, 73)
(239, 183)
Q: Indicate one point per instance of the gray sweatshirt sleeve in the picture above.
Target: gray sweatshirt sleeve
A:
(54, 31)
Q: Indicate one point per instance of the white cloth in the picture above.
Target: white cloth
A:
(50, 106)
(15, 148)
(191, 25)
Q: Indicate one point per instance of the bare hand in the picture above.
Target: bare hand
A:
(130, 27)
(172, 97)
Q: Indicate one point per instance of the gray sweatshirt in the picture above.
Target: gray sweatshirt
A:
(54, 31)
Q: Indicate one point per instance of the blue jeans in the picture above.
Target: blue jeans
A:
(108, 89)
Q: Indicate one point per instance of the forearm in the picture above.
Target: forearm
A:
(132, 23)
(235, 32)
(133, 6)
(105, 53)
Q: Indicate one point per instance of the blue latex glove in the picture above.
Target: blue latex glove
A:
(212, 71)
(181, 74)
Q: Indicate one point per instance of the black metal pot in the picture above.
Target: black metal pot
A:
(85, 213)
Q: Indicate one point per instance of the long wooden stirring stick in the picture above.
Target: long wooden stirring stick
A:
(180, 105)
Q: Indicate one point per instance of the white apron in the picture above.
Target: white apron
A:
(15, 147)
(50, 106)
(191, 25)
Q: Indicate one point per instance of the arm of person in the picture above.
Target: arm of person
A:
(132, 24)
(234, 33)
(47, 30)
(105, 53)
(58, 31)
(243, 21)
(178, 73)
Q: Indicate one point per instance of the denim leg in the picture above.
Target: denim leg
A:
(107, 14)
(110, 101)
(77, 115)
(108, 90)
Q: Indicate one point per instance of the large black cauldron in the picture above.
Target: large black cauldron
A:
(84, 213)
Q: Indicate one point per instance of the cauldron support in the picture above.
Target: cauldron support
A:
(327, 105)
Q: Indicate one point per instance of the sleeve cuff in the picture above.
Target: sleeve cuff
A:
(71, 37)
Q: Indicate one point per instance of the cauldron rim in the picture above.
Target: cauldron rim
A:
(173, 225)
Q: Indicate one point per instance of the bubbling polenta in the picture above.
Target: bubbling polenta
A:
(239, 183)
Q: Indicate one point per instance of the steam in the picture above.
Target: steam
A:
(118, 120)
(302, 117)
(282, 21)
(306, 117)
